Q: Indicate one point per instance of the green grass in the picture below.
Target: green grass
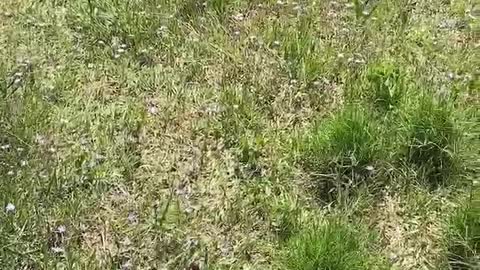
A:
(387, 86)
(343, 151)
(433, 141)
(333, 244)
(464, 235)
(161, 134)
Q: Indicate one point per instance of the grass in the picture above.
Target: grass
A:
(342, 152)
(464, 235)
(433, 141)
(332, 244)
(222, 134)
(387, 86)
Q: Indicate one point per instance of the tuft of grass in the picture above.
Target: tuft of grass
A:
(333, 244)
(343, 151)
(433, 140)
(464, 235)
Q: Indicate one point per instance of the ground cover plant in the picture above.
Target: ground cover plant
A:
(155, 134)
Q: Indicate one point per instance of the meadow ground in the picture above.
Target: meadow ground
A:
(156, 134)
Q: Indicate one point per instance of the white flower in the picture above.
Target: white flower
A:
(40, 139)
(369, 168)
(57, 250)
(120, 50)
(10, 173)
(61, 229)
(116, 56)
(239, 17)
(152, 109)
(10, 208)
(132, 217)
(5, 147)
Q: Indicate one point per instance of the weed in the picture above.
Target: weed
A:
(239, 117)
(386, 86)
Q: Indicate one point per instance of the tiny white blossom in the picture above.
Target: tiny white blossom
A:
(132, 217)
(152, 109)
(120, 50)
(40, 139)
(23, 163)
(369, 168)
(10, 208)
(451, 76)
(61, 229)
(5, 147)
(239, 17)
(10, 173)
(123, 46)
(20, 149)
(57, 250)
(116, 56)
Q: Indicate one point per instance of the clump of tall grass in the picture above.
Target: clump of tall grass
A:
(343, 151)
(332, 244)
(463, 240)
(432, 140)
